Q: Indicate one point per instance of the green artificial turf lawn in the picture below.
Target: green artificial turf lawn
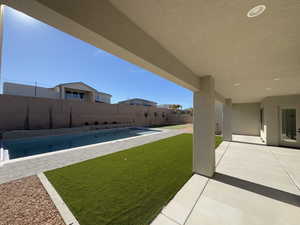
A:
(128, 187)
(218, 140)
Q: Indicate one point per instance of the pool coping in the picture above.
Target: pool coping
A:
(32, 165)
(75, 133)
(59, 203)
(14, 134)
(2, 162)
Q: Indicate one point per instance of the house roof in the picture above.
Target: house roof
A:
(139, 99)
(80, 82)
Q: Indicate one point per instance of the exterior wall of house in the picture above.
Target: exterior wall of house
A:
(20, 113)
(100, 97)
(93, 95)
(271, 112)
(78, 95)
(28, 90)
(246, 119)
(263, 118)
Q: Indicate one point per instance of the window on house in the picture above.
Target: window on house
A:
(98, 98)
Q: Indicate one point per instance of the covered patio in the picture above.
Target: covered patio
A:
(253, 184)
(215, 50)
(233, 53)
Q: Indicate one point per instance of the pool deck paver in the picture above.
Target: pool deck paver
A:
(32, 165)
(253, 185)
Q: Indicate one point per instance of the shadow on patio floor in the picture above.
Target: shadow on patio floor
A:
(266, 191)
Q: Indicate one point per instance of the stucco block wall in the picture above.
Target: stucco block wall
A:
(19, 112)
(271, 107)
(180, 118)
(246, 119)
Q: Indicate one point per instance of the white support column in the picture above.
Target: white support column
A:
(204, 128)
(227, 118)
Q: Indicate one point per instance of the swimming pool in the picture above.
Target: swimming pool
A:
(33, 146)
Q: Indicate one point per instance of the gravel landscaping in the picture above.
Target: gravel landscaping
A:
(26, 202)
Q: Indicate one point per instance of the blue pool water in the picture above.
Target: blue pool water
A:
(33, 146)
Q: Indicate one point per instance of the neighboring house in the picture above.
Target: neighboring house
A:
(72, 91)
(139, 101)
(82, 91)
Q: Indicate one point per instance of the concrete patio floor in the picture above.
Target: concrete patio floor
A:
(253, 184)
(247, 139)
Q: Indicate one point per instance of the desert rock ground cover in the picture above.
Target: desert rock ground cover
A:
(26, 202)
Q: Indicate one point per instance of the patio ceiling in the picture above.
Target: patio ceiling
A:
(217, 38)
(250, 58)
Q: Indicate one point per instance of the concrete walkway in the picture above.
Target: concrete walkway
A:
(254, 184)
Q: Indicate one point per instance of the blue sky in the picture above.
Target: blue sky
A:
(35, 52)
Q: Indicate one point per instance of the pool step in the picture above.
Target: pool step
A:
(4, 156)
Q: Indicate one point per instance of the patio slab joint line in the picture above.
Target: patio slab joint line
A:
(206, 183)
(61, 206)
(196, 202)
(170, 218)
(285, 170)
(228, 144)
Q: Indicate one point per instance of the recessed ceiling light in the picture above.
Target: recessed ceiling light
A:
(256, 11)
(268, 89)
(276, 78)
(237, 84)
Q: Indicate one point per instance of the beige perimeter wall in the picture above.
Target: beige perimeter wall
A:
(246, 119)
(18, 113)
